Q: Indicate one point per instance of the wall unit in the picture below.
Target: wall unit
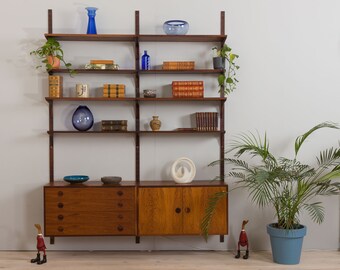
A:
(136, 207)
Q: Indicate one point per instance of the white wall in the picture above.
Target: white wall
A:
(289, 81)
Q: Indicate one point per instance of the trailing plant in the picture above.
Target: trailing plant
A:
(227, 81)
(51, 48)
(287, 185)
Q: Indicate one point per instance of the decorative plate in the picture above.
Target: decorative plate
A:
(76, 178)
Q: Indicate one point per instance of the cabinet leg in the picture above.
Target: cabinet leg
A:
(137, 239)
(221, 238)
(52, 240)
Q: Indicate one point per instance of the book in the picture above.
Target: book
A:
(178, 65)
(55, 86)
(114, 128)
(112, 95)
(207, 121)
(114, 122)
(105, 62)
(187, 83)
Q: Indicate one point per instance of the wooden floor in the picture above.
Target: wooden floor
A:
(169, 260)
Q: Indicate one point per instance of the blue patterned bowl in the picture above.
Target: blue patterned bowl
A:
(176, 27)
(76, 178)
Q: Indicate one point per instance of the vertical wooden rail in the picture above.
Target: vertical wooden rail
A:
(50, 21)
(137, 122)
(51, 144)
(222, 117)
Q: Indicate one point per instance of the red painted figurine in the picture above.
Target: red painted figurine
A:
(40, 247)
(243, 241)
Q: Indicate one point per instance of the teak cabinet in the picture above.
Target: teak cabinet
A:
(137, 207)
(178, 210)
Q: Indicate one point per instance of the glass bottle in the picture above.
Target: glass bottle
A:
(91, 26)
(145, 61)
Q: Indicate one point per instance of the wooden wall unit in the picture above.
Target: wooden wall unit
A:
(137, 207)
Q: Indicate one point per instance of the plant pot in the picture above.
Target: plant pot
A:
(219, 62)
(53, 61)
(286, 244)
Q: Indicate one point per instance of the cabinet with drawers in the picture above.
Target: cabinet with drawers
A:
(95, 209)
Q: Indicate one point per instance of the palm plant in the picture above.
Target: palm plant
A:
(286, 184)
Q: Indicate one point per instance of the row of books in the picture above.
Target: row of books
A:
(187, 89)
(114, 125)
(206, 121)
(178, 65)
(114, 90)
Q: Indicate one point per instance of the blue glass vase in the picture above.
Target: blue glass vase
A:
(91, 26)
(82, 118)
(145, 61)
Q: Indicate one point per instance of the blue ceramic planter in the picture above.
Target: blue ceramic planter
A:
(286, 244)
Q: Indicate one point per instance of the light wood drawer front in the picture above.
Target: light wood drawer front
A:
(64, 200)
(90, 223)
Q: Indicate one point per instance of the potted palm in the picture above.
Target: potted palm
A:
(50, 54)
(287, 185)
(227, 80)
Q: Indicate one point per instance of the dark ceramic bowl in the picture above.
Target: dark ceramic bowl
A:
(111, 179)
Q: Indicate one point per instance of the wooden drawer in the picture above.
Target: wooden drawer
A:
(89, 199)
(90, 223)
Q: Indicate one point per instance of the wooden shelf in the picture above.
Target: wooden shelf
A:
(140, 38)
(195, 183)
(182, 38)
(89, 132)
(195, 71)
(89, 183)
(88, 99)
(95, 71)
(160, 132)
(97, 37)
(183, 99)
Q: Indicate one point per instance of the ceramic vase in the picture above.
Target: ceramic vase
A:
(155, 123)
(82, 118)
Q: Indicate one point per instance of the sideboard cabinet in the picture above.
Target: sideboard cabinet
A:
(137, 207)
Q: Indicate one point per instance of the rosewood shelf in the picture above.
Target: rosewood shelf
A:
(195, 183)
(97, 37)
(88, 99)
(183, 99)
(96, 71)
(140, 38)
(89, 132)
(194, 71)
(180, 132)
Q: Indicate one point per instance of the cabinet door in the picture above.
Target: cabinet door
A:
(195, 200)
(160, 211)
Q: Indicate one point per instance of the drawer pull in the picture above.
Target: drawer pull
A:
(120, 228)
(120, 216)
(60, 217)
(187, 210)
(60, 205)
(120, 205)
(120, 193)
(178, 210)
(60, 229)
(60, 193)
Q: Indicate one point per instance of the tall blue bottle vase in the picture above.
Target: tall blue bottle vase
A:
(145, 61)
(91, 26)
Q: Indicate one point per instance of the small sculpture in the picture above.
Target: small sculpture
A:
(40, 247)
(243, 241)
(183, 170)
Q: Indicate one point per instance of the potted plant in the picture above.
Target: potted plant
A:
(50, 54)
(287, 185)
(227, 80)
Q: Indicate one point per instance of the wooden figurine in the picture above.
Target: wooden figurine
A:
(40, 246)
(243, 241)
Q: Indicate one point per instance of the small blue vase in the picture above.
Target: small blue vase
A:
(91, 26)
(82, 118)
